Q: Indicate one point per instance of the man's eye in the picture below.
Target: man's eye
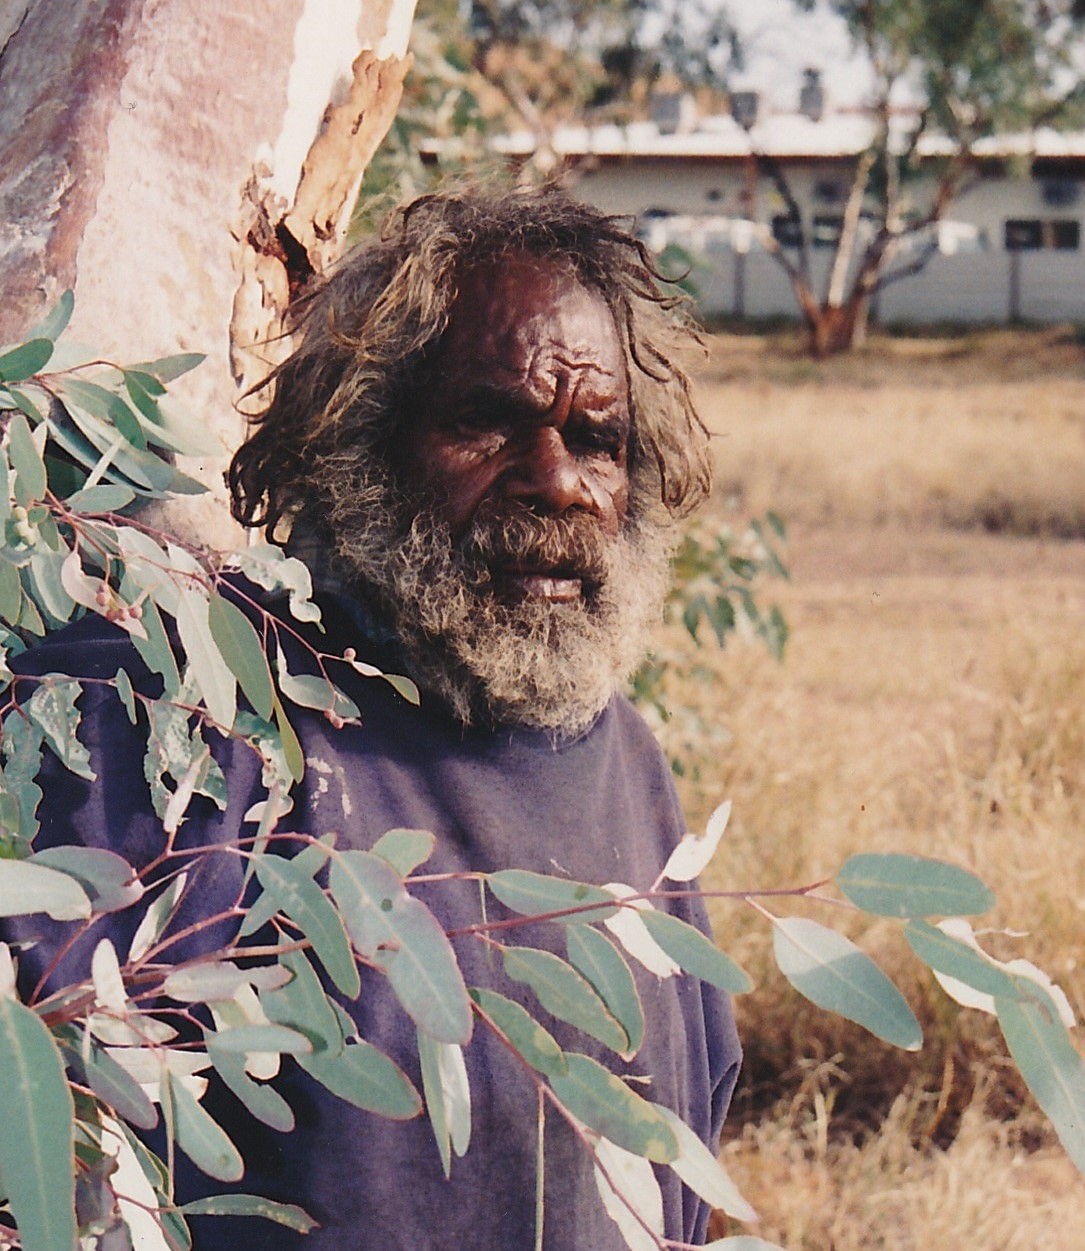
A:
(601, 439)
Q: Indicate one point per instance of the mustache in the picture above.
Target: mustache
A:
(573, 544)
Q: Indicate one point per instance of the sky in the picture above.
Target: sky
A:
(780, 42)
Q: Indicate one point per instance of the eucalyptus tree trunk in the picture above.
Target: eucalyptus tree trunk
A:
(183, 166)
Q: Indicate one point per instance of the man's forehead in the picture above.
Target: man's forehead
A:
(510, 312)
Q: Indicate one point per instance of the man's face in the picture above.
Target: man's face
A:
(529, 412)
(498, 538)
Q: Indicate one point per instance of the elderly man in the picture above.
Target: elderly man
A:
(480, 446)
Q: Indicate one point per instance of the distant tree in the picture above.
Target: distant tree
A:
(975, 67)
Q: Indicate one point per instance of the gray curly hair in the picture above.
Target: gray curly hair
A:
(369, 330)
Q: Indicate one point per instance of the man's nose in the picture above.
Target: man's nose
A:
(546, 476)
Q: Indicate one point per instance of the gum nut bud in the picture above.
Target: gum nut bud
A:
(350, 654)
(135, 612)
(334, 720)
(102, 595)
(19, 514)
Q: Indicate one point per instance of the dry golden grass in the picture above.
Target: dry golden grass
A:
(930, 701)
(966, 434)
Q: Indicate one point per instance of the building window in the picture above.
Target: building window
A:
(830, 191)
(787, 230)
(1034, 234)
(827, 229)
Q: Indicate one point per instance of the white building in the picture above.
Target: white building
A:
(1011, 246)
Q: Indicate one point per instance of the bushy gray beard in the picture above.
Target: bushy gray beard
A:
(491, 656)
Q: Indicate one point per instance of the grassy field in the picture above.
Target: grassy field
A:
(930, 700)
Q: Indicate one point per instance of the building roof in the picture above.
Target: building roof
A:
(780, 135)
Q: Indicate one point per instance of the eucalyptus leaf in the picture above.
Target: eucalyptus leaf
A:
(27, 888)
(52, 707)
(534, 1044)
(895, 885)
(537, 894)
(156, 918)
(303, 1005)
(297, 894)
(594, 956)
(107, 878)
(630, 1193)
(434, 1097)
(216, 681)
(310, 860)
(830, 971)
(243, 1039)
(116, 1087)
(404, 850)
(22, 362)
(167, 368)
(100, 499)
(702, 1172)
(200, 1136)
(240, 647)
(36, 1131)
(26, 460)
(694, 952)
(366, 1078)
(606, 1104)
(1049, 1062)
(417, 956)
(947, 955)
(264, 1102)
(565, 993)
(55, 321)
(288, 1214)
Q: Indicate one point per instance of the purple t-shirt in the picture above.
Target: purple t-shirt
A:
(601, 808)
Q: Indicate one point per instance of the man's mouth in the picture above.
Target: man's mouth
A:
(558, 586)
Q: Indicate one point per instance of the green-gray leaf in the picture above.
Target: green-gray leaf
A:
(1049, 1062)
(365, 1077)
(167, 368)
(26, 459)
(52, 707)
(119, 1089)
(26, 888)
(535, 894)
(564, 993)
(27, 359)
(303, 1005)
(596, 957)
(606, 1104)
(264, 1102)
(415, 952)
(830, 971)
(694, 952)
(404, 850)
(243, 1039)
(201, 1137)
(949, 956)
(288, 1214)
(37, 1159)
(535, 1044)
(108, 879)
(298, 895)
(240, 647)
(54, 322)
(896, 885)
(309, 861)
(100, 499)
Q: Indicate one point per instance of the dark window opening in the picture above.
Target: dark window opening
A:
(1034, 234)
(787, 230)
